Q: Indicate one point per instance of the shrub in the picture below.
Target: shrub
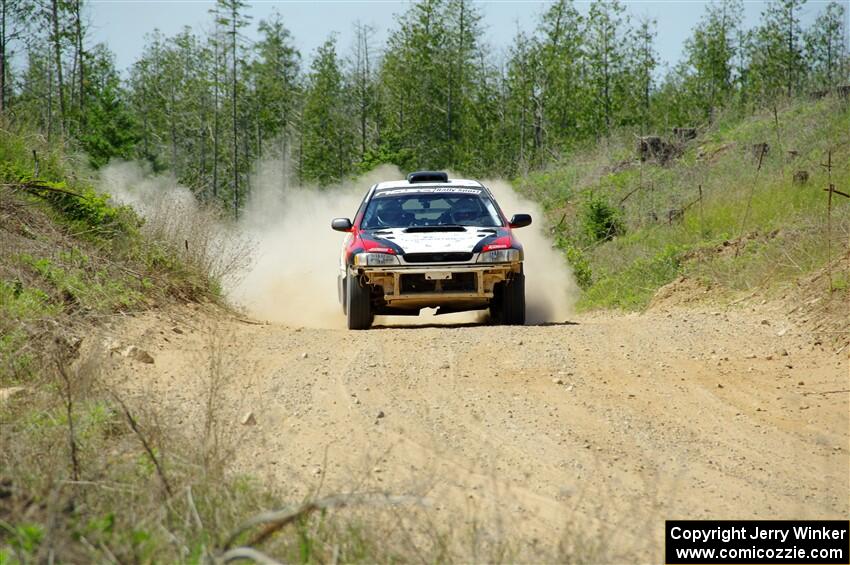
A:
(601, 221)
(577, 260)
(90, 209)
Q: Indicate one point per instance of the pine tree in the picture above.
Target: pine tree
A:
(55, 14)
(15, 22)
(710, 53)
(274, 75)
(826, 47)
(109, 124)
(328, 143)
(33, 103)
(776, 62)
(643, 62)
(606, 35)
(147, 98)
(558, 57)
(414, 80)
(521, 88)
(361, 78)
(231, 17)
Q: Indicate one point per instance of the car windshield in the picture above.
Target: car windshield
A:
(430, 209)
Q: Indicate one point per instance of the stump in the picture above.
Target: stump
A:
(685, 134)
(653, 148)
(675, 215)
(760, 149)
(801, 177)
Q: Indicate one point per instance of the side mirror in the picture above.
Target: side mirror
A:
(520, 220)
(341, 224)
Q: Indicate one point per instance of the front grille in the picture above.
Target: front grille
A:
(417, 283)
(452, 257)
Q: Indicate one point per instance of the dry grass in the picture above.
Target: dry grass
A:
(199, 237)
(198, 234)
(89, 473)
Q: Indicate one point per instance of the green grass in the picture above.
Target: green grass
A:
(19, 305)
(24, 303)
(69, 253)
(781, 226)
(87, 288)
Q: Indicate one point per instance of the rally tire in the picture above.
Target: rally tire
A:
(358, 304)
(508, 307)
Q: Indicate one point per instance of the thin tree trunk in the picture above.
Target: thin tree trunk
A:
(215, 122)
(233, 98)
(3, 56)
(145, 128)
(363, 59)
(81, 58)
(49, 99)
(259, 124)
(828, 63)
(607, 80)
(57, 52)
(790, 48)
(173, 127)
(202, 138)
(284, 158)
(300, 157)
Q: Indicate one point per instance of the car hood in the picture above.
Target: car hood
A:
(432, 241)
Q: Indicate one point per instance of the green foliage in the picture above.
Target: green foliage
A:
(826, 47)
(600, 220)
(385, 153)
(20, 302)
(328, 141)
(710, 55)
(275, 75)
(27, 537)
(209, 106)
(778, 228)
(434, 94)
(89, 210)
(20, 305)
(578, 261)
(632, 287)
(14, 361)
(77, 286)
(110, 127)
(841, 281)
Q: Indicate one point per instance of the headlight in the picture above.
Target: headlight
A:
(500, 256)
(375, 259)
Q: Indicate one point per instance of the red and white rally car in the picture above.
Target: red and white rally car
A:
(430, 242)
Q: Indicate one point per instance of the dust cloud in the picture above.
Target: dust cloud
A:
(174, 219)
(279, 262)
(550, 288)
(293, 279)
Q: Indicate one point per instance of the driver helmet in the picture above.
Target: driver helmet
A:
(465, 210)
(390, 213)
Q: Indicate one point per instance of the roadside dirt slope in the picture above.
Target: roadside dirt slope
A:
(607, 424)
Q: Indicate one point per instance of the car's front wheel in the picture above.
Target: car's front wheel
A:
(358, 304)
(508, 306)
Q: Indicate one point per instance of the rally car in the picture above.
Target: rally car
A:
(430, 242)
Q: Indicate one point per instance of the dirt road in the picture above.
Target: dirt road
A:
(608, 423)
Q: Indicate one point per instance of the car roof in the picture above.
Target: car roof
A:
(451, 183)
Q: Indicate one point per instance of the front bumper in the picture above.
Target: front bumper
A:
(421, 286)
